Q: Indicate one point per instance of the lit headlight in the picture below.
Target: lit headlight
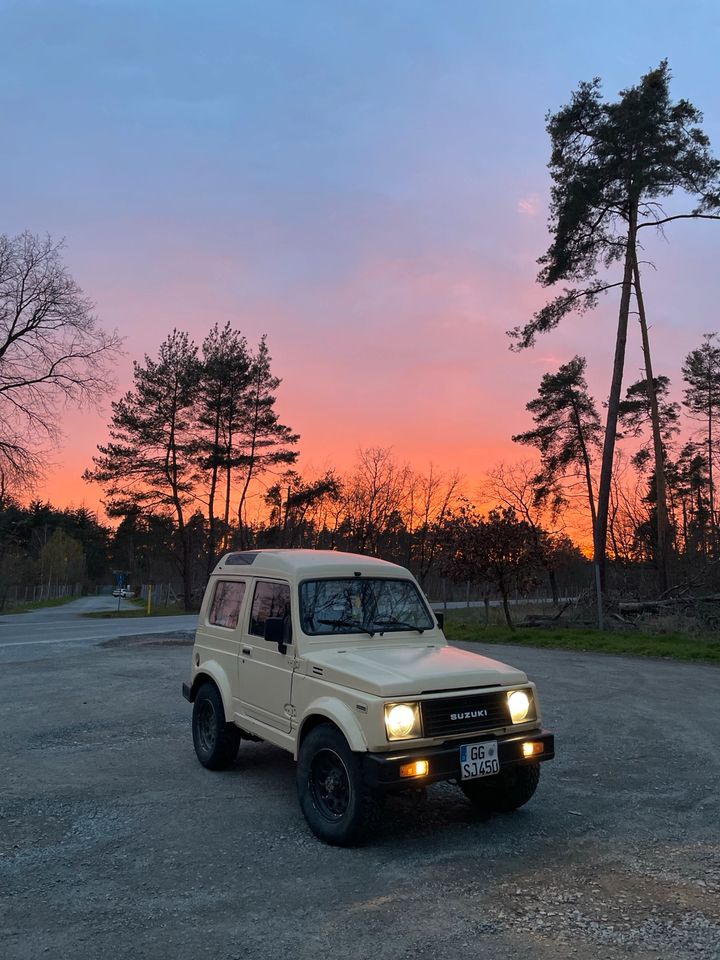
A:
(519, 704)
(402, 721)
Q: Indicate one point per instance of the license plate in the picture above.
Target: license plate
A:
(479, 760)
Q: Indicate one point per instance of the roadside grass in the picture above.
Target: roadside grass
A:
(31, 605)
(469, 626)
(139, 611)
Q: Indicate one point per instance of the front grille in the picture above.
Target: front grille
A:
(443, 718)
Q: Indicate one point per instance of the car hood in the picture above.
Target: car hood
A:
(401, 670)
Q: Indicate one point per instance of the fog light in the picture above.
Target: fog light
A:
(532, 749)
(420, 768)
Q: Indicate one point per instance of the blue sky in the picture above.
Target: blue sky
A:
(366, 182)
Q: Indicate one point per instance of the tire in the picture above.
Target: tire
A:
(504, 792)
(216, 742)
(339, 807)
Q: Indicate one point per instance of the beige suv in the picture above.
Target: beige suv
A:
(339, 659)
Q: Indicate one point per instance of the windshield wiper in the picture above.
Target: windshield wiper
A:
(398, 623)
(347, 623)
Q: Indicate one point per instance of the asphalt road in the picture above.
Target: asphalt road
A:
(57, 630)
(114, 842)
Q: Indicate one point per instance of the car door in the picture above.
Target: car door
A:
(264, 673)
(218, 627)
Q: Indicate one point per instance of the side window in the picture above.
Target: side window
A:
(226, 603)
(270, 600)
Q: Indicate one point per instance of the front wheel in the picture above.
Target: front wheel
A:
(504, 792)
(216, 742)
(337, 804)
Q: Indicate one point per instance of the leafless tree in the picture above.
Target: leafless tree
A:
(53, 352)
(374, 498)
(431, 497)
(514, 486)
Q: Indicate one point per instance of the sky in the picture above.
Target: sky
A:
(364, 181)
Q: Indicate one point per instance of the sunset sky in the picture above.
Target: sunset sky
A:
(363, 181)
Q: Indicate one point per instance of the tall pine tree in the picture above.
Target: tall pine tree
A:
(612, 165)
(150, 460)
(567, 434)
(701, 372)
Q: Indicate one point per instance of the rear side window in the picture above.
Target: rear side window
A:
(270, 600)
(226, 603)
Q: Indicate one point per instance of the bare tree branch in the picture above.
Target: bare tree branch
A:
(52, 350)
(679, 216)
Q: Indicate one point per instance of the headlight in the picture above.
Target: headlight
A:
(402, 721)
(519, 704)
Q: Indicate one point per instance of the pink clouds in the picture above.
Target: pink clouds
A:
(404, 351)
(529, 206)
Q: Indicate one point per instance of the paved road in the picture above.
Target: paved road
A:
(114, 842)
(28, 635)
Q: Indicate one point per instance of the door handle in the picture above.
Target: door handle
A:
(247, 651)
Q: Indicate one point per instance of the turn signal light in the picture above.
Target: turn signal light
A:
(420, 768)
(532, 748)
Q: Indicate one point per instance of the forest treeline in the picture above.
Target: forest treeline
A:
(198, 460)
(382, 507)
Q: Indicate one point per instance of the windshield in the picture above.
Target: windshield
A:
(362, 605)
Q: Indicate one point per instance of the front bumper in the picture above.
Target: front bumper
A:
(382, 770)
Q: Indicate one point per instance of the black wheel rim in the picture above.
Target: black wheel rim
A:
(330, 784)
(207, 727)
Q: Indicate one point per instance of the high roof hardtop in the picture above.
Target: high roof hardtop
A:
(305, 563)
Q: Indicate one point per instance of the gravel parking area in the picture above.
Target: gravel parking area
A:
(114, 842)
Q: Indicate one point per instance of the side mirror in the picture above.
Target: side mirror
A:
(440, 617)
(279, 631)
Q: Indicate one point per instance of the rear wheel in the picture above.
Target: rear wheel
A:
(338, 806)
(504, 792)
(216, 742)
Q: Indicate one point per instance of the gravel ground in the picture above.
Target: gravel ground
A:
(114, 842)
